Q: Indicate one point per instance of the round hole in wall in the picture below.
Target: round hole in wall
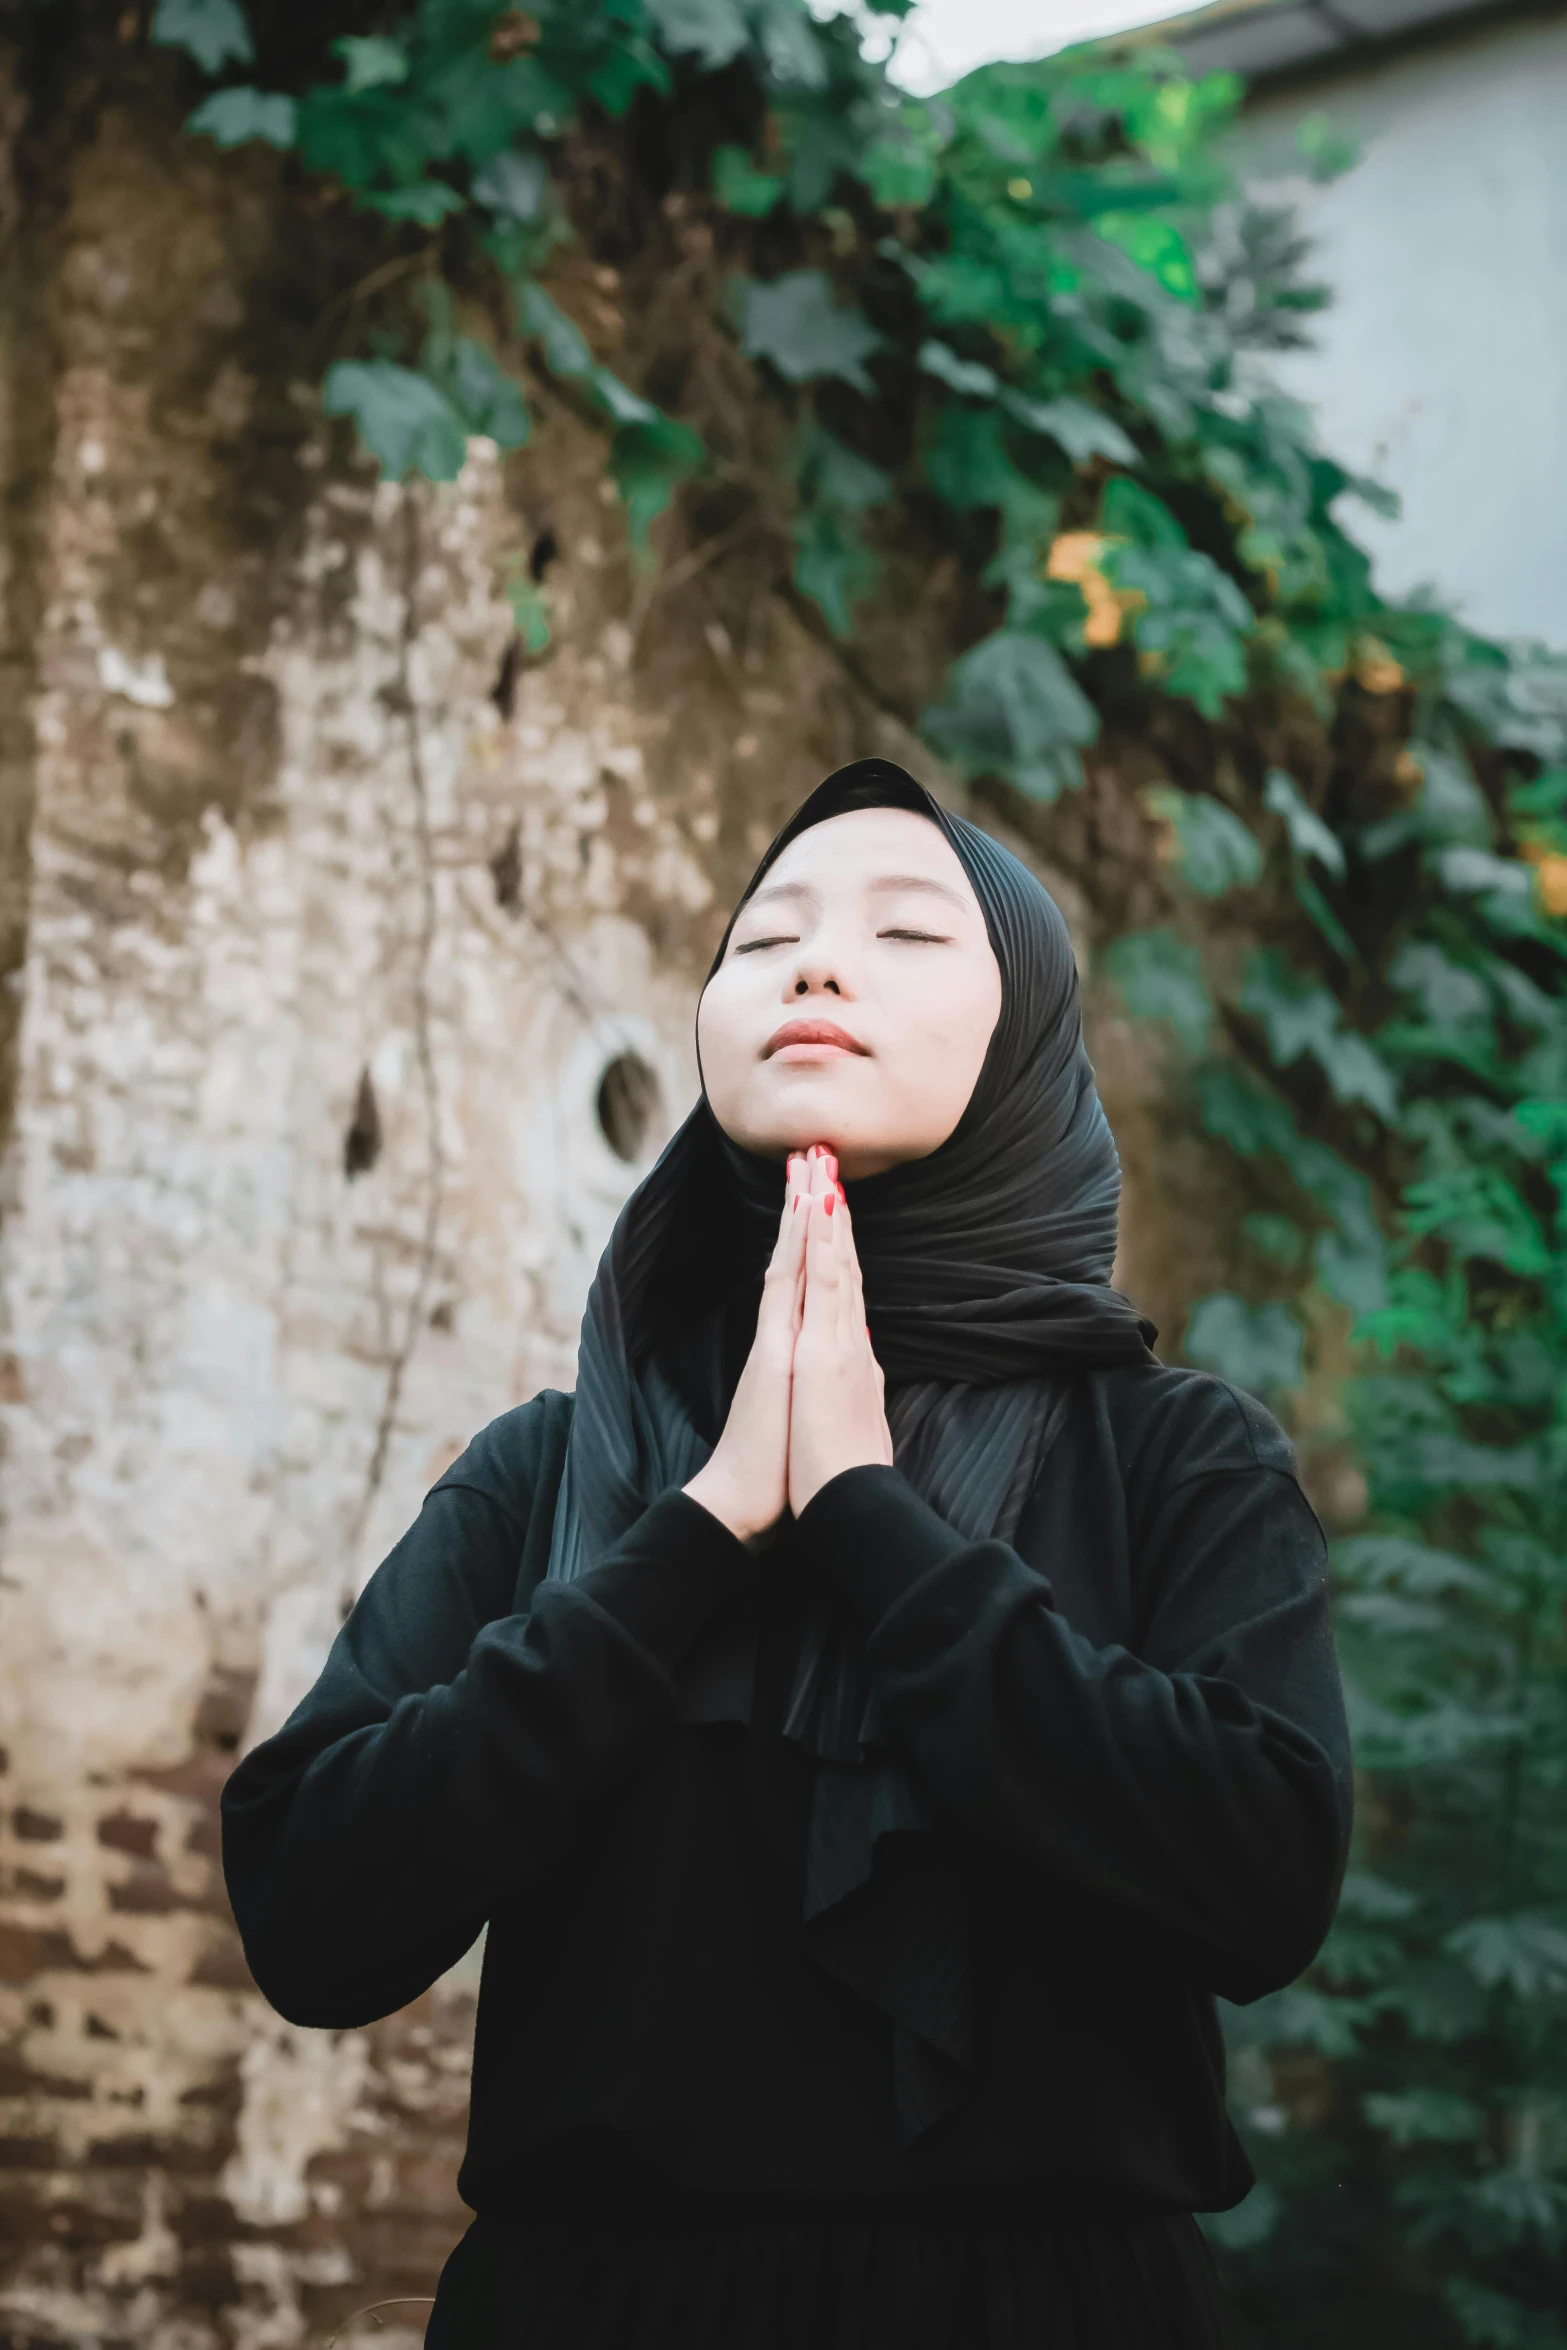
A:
(627, 1101)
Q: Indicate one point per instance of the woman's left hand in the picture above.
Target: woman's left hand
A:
(837, 1417)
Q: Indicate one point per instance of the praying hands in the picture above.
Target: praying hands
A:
(809, 1403)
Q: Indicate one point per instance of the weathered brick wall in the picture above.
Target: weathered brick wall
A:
(317, 873)
(328, 913)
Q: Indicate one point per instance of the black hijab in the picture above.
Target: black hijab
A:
(986, 1268)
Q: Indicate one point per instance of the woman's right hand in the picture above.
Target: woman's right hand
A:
(745, 1482)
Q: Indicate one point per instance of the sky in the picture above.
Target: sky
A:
(944, 38)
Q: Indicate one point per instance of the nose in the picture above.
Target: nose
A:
(816, 973)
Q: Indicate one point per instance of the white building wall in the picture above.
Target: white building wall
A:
(1442, 367)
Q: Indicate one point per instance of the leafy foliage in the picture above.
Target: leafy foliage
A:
(1032, 306)
(213, 32)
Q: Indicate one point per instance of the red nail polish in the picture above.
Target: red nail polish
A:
(828, 1204)
(842, 1194)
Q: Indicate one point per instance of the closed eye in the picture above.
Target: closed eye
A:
(754, 945)
(934, 938)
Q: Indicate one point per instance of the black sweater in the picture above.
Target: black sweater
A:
(1130, 1724)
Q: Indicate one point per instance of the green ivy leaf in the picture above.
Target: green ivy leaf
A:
(1524, 1953)
(1083, 431)
(1449, 807)
(1308, 835)
(371, 62)
(1160, 977)
(405, 421)
(1480, 1214)
(1373, 1899)
(794, 324)
(1351, 1260)
(741, 188)
(427, 202)
(648, 461)
(833, 566)
(967, 376)
(713, 31)
(233, 117)
(1424, 2117)
(1275, 1238)
(513, 185)
(565, 346)
(1015, 709)
(1128, 510)
(530, 610)
(1156, 246)
(1300, 1015)
(789, 44)
(1215, 851)
(479, 389)
(1498, 2321)
(214, 32)
(1250, 2224)
(900, 171)
(1256, 1346)
(1194, 626)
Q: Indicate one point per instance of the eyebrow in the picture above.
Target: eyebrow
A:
(939, 889)
(883, 881)
(777, 889)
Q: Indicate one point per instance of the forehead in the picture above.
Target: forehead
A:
(867, 845)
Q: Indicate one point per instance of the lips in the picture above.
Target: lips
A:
(822, 1032)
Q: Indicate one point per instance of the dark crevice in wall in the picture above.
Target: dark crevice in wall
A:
(30, 202)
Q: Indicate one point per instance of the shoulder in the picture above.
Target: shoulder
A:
(515, 1461)
(1171, 1423)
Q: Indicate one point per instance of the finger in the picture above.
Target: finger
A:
(821, 1265)
(785, 1272)
(785, 1235)
(843, 1219)
(851, 1312)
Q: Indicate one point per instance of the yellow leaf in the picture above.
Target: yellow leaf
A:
(1550, 873)
(1375, 668)
(1075, 556)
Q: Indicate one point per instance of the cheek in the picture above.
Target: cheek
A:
(723, 1031)
(942, 1020)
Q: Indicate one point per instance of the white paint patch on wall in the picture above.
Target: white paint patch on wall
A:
(1442, 367)
(233, 1371)
(300, 2091)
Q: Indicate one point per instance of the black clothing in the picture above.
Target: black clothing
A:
(986, 1267)
(1128, 1728)
(714, 2279)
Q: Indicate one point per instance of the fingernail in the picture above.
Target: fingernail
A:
(842, 1194)
(828, 1204)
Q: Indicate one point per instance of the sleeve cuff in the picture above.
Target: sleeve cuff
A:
(873, 1536)
(669, 1574)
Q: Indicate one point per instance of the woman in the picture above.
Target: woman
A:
(874, 1716)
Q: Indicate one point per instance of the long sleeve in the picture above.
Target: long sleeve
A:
(1202, 1783)
(468, 1713)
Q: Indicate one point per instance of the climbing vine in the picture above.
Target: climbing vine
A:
(1037, 309)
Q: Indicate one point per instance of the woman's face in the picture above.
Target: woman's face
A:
(855, 999)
